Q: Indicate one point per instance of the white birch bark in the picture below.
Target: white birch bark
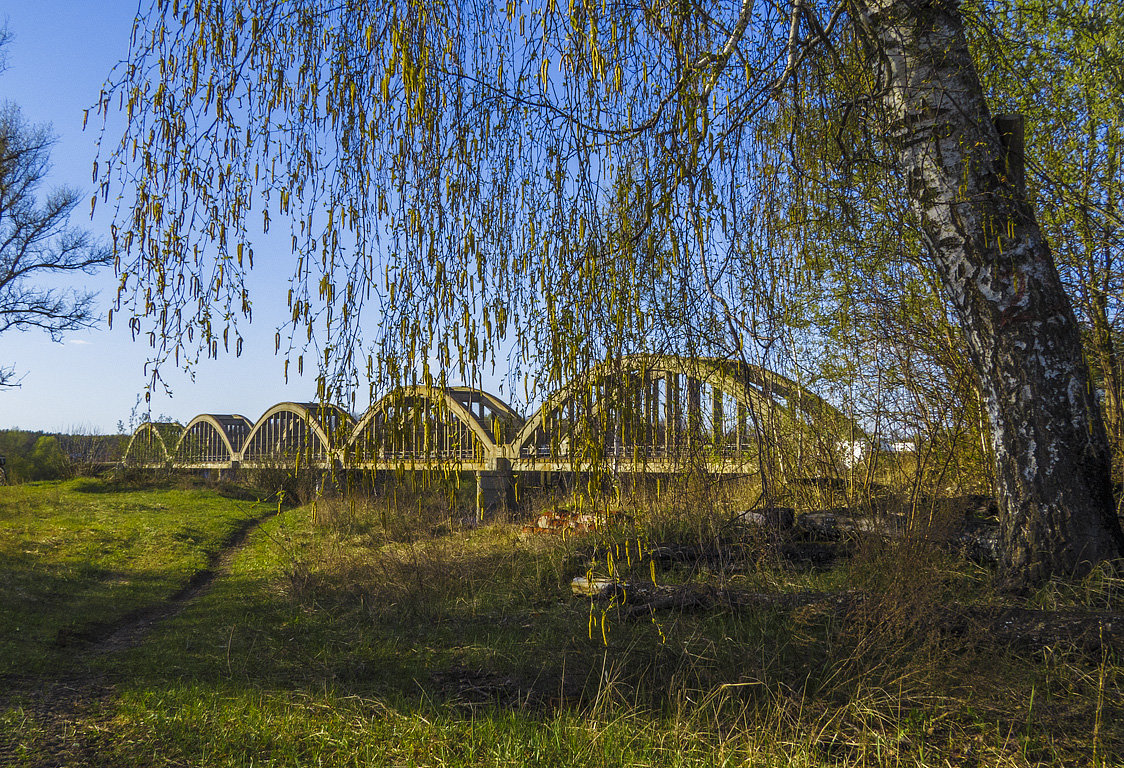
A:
(1055, 497)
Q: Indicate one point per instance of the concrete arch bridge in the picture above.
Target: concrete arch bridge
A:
(640, 414)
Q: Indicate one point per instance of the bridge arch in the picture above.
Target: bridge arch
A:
(456, 423)
(639, 413)
(648, 405)
(149, 443)
(312, 431)
(212, 438)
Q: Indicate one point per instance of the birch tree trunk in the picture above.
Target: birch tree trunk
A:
(1052, 462)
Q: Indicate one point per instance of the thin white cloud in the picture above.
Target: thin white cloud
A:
(79, 341)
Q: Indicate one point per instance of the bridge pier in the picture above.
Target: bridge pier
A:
(494, 489)
(230, 474)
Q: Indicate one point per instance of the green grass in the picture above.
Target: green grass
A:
(79, 555)
(359, 634)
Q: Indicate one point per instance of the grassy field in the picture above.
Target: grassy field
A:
(79, 556)
(373, 633)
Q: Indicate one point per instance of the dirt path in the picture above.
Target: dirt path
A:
(130, 631)
(62, 715)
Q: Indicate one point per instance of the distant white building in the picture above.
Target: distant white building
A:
(851, 452)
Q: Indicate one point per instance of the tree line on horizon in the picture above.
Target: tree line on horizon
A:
(33, 455)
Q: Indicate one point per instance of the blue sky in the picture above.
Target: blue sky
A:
(58, 59)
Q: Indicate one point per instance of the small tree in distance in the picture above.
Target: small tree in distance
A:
(36, 240)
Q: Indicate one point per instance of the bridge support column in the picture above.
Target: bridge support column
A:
(494, 488)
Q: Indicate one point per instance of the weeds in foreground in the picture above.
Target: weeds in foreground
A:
(373, 632)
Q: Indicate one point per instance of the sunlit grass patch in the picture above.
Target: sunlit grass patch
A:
(282, 728)
(73, 561)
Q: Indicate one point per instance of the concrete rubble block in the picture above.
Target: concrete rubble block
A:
(978, 540)
(780, 518)
(841, 523)
(594, 587)
(827, 524)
